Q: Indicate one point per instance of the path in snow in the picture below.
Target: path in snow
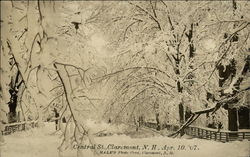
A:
(40, 142)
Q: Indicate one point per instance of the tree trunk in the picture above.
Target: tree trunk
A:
(15, 84)
(158, 127)
(12, 107)
(244, 118)
(190, 40)
(181, 108)
(225, 73)
(232, 121)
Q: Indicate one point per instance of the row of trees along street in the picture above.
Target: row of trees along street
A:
(179, 63)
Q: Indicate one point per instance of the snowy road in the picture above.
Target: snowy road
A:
(40, 142)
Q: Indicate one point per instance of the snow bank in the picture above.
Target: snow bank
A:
(41, 142)
(36, 142)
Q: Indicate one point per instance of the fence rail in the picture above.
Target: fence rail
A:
(217, 135)
(20, 126)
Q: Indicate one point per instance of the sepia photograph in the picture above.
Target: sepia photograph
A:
(119, 78)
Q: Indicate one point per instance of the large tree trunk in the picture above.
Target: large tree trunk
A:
(233, 121)
(15, 84)
(225, 73)
(182, 111)
(244, 118)
(12, 107)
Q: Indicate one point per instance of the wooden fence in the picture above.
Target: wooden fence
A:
(217, 135)
(20, 126)
(207, 133)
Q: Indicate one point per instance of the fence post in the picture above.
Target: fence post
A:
(227, 139)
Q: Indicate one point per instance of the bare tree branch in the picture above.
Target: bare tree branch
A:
(145, 11)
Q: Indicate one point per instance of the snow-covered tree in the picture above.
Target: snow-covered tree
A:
(177, 49)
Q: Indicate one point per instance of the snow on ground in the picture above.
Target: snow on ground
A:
(41, 142)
